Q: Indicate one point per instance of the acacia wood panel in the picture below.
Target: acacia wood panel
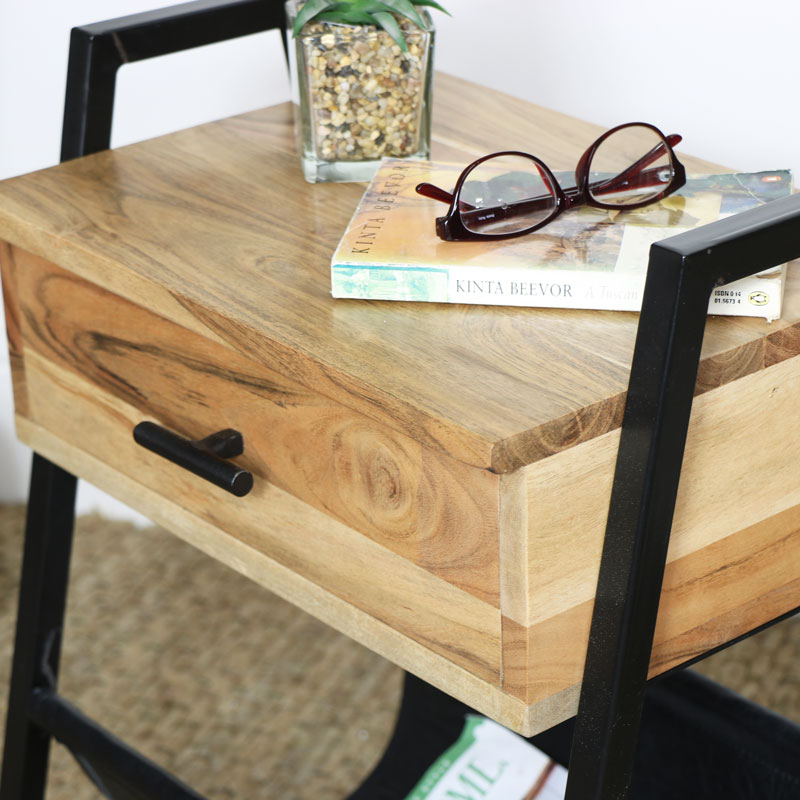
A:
(434, 511)
(13, 330)
(256, 565)
(443, 618)
(739, 468)
(214, 228)
(709, 597)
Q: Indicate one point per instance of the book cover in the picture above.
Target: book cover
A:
(489, 762)
(587, 258)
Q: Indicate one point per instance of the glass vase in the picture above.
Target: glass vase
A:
(358, 97)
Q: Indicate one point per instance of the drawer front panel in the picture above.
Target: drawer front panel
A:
(442, 618)
(431, 510)
(89, 385)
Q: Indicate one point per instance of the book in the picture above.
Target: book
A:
(586, 258)
(490, 762)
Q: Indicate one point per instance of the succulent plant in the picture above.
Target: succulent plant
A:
(381, 13)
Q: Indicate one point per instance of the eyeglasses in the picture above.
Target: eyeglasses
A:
(511, 193)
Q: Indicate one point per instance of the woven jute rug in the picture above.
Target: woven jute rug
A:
(238, 693)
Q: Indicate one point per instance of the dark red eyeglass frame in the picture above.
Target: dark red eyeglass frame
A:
(451, 226)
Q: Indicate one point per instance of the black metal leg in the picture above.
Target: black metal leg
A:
(637, 536)
(682, 273)
(40, 619)
(117, 770)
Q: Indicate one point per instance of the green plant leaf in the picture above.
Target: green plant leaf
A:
(336, 9)
(310, 10)
(365, 12)
(371, 6)
(388, 22)
(433, 5)
(406, 9)
(349, 17)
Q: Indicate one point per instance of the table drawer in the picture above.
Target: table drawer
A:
(422, 505)
(410, 535)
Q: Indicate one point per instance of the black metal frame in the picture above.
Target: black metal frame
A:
(97, 51)
(681, 275)
(40, 620)
(118, 771)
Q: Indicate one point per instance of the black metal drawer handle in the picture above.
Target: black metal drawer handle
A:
(204, 457)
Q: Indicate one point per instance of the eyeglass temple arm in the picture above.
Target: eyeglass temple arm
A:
(434, 192)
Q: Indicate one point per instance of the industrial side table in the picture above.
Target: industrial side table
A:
(432, 480)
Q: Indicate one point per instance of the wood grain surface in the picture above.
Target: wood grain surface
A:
(251, 561)
(431, 479)
(710, 597)
(214, 229)
(428, 508)
(734, 550)
(421, 606)
(739, 469)
(13, 328)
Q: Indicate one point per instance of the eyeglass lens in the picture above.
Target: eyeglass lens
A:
(633, 165)
(506, 194)
(512, 193)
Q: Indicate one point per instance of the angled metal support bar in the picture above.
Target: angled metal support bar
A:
(40, 619)
(682, 272)
(117, 770)
(97, 51)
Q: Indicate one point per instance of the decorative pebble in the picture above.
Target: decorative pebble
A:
(364, 92)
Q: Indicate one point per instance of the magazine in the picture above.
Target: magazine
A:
(490, 762)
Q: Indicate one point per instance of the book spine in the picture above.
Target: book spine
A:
(489, 286)
(750, 297)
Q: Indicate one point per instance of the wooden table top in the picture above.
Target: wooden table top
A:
(214, 228)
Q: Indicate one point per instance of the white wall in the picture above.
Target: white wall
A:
(723, 74)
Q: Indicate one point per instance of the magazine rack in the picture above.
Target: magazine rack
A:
(728, 736)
